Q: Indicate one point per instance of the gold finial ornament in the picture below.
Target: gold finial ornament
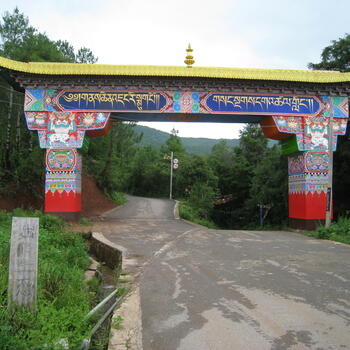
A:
(189, 58)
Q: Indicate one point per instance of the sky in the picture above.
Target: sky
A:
(281, 34)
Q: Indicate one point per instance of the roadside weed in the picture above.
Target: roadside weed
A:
(117, 322)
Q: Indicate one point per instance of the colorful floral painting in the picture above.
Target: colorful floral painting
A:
(61, 159)
(308, 172)
(64, 129)
(317, 162)
(63, 171)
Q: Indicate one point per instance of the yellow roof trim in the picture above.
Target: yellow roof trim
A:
(48, 68)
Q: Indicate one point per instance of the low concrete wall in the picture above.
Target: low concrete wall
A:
(106, 251)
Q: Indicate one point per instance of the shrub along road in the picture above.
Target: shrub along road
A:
(223, 290)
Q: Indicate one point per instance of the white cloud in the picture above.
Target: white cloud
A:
(233, 33)
(206, 130)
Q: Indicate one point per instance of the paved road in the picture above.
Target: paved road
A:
(225, 290)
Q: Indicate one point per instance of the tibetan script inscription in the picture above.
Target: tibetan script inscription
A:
(262, 104)
(23, 262)
(124, 101)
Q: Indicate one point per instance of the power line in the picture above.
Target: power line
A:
(14, 103)
(12, 90)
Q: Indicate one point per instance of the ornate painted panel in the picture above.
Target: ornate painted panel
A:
(182, 102)
(312, 132)
(262, 104)
(64, 129)
(61, 159)
(63, 180)
(63, 169)
(102, 101)
(308, 172)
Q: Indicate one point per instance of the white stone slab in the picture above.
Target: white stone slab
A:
(23, 267)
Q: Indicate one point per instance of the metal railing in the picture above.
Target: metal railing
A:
(85, 345)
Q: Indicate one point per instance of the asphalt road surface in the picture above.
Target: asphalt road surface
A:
(225, 290)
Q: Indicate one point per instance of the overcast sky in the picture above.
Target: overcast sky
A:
(285, 34)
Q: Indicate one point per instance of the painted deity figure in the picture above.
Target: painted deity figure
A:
(316, 132)
(60, 127)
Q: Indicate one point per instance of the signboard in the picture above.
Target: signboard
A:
(181, 104)
(23, 267)
(262, 104)
(124, 101)
(329, 196)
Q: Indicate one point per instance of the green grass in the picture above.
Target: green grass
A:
(265, 227)
(117, 322)
(190, 213)
(117, 197)
(63, 299)
(123, 280)
(85, 222)
(338, 231)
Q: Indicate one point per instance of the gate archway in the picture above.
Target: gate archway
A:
(63, 101)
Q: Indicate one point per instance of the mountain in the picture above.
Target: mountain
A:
(157, 138)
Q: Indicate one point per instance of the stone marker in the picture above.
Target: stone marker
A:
(23, 262)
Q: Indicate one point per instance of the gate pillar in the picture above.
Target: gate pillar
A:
(306, 139)
(308, 184)
(62, 133)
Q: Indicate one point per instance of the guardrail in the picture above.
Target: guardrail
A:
(85, 345)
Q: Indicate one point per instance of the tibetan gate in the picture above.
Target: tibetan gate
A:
(64, 102)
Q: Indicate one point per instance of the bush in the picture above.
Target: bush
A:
(201, 199)
(338, 231)
(190, 213)
(63, 300)
(117, 197)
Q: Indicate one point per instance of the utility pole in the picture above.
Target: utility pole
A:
(330, 168)
(171, 175)
(261, 214)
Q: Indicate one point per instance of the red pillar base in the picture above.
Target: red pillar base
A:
(308, 182)
(74, 216)
(65, 205)
(307, 206)
(305, 224)
(63, 183)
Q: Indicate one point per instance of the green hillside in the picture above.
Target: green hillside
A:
(192, 145)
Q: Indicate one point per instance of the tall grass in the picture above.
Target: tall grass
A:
(62, 297)
(338, 231)
(191, 213)
(117, 197)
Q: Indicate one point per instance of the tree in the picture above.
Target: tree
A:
(66, 50)
(85, 55)
(15, 27)
(36, 47)
(20, 41)
(221, 161)
(269, 186)
(250, 174)
(173, 144)
(20, 153)
(149, 175)
(253, 144)
(194, 169)
(341, 178)
(109, 157)
(335, 56)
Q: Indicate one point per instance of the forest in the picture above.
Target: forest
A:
(226, 187)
